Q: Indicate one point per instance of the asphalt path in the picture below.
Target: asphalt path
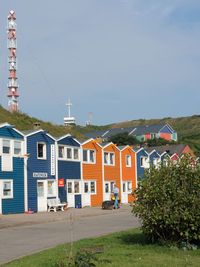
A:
(16, 242)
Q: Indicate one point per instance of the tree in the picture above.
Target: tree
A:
(123, 139)
(158, 142)
(168, 202)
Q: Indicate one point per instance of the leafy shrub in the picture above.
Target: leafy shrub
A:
(168, 202)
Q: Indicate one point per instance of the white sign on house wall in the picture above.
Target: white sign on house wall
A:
(52, 159)
(40, 174)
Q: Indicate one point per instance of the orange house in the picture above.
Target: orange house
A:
(111, 170)
(128, 173)
(92, 193)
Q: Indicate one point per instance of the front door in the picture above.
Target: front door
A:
(70, 193)
(108, 189)
(86, 197)
(42, 195)
(124, 193)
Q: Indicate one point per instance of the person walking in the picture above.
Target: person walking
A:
(116, 195)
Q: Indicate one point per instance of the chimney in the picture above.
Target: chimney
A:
(36, 125)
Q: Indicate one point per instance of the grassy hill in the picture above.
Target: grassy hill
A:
(22, 121)
(188, 128)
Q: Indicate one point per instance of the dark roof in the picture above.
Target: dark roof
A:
(170, 149)
(139, 130)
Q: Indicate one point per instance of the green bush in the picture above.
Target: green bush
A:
(168, 202)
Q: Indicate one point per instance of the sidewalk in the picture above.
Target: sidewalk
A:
(15, 220)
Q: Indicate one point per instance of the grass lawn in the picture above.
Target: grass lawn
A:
(127, 248)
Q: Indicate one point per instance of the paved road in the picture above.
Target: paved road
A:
(18, 241)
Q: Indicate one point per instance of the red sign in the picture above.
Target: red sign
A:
(61, 183)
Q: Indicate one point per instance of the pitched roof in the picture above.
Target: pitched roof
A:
(170, 149)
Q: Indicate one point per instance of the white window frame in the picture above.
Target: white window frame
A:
(72, 153)
(72, 181)
(153, 135)
(54, 188)
(10, 150)
(126, 187)
(89, 182)
(109, 158)
(64, 156)
(144, 161)
(2, 186)
(16, 141)
(44, 150)
(88, 161)
(110, 186)
(128, 159)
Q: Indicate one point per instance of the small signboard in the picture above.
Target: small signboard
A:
(61, 183)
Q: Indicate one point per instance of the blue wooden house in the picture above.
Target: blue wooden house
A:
(11, 170)
(154, 157)
(142, 162)
(40, 174)
(69, 170)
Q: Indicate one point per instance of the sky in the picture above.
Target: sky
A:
(119, 59)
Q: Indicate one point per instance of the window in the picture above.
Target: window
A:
(17, 147)
(128, 160)
(109, 187)
(124, 187)
(85, 155)
(91, 155)
(61, 152)
(93, 187)
(7, 189)
(76, 154)
(69, 153)
(129, 186)
(76, 187)
(6, 146)
(109, 158)
(143, 162)
(41, 151)
(88, 155)
(51, 188)
(106, 187)
(153, 136)
(86, 187)
(69, 187)
(105, 157)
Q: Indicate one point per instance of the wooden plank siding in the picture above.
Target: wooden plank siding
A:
(93, 172)
(112, 173)
(129, 173)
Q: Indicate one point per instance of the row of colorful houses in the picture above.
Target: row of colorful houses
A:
(142, 133)
(35, 167)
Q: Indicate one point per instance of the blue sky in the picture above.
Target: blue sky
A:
(120, 59)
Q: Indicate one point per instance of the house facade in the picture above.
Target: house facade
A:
(69, 170)
(128, 173)
(11, 170)
(92, 173)
(40, 171)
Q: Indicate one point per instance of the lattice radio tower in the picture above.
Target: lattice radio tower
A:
(12, 61)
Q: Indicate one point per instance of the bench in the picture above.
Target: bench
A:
(54, 204)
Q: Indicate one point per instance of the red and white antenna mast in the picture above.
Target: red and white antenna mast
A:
(12, 60)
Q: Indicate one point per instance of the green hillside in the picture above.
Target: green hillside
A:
(22, 121)
(188, 128)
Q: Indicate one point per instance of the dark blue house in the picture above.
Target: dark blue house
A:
(142, 162)
(40, 175)
(69, 170)
(154, 157)
(11, 170)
